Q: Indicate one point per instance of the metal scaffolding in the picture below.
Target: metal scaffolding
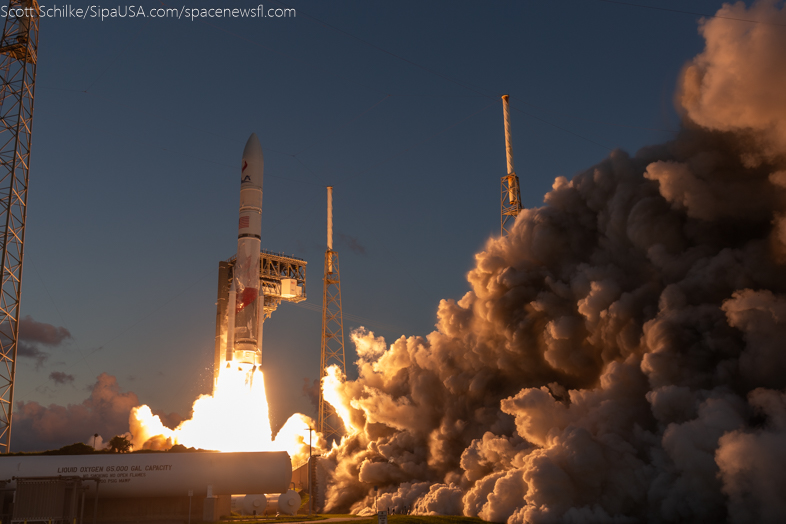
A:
(332, 351)
(18, 57)
(510, 201)
(282, 278)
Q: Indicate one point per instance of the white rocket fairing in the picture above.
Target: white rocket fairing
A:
(244, 321)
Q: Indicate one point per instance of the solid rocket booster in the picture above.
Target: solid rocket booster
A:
(244, 321)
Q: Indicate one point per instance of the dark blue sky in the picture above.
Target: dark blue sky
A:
(140, 124)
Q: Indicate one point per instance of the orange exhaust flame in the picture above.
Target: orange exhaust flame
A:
(234, 418)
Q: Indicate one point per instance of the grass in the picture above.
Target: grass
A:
(272, 518)
(288, 518)
(418, 519)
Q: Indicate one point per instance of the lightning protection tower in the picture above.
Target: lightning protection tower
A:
(18, 58)
(510, 200)
(332, 353)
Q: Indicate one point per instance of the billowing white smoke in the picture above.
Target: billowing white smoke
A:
(620, 355)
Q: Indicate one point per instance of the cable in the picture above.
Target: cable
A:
(670, 10)
(287, 56)
(46, 289)
(192, 157)
(322, 180)
(119, 53)
(383, 50)
(611, 124)
(388, 159)
(127, 329)
(136, 109)
(305, 204)
(344, 125)
(408, 273)
(561, 128)
(349, 316)
(465, 85)
(223, 136)
(279, 52)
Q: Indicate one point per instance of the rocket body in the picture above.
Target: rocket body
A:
(244, 336)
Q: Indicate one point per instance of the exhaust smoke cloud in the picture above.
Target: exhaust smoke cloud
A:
(620, 355)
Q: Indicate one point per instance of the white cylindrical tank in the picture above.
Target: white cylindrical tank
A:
(253, 505)
(287, 503)
(161, 474)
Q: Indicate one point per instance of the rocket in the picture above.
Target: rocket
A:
(244, 320)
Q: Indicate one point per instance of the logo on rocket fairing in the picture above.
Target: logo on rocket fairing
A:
(246, 178)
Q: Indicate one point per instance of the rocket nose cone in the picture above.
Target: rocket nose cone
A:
(253, 164)
(253, 148)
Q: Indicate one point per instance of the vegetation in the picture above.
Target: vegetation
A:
(180, 448)
(120, 444)
(79, 448)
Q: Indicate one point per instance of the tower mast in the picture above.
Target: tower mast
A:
(332, 351)
(18, 58)
(510, 200)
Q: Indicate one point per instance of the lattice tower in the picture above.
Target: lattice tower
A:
(332, 352)
(18, 58)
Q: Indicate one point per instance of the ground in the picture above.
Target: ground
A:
(392, 519)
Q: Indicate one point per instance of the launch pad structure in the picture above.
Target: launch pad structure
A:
(281, 279)
(332, 349)
(510, 199)
(18, 61)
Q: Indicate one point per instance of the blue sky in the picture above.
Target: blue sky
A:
(140, 124)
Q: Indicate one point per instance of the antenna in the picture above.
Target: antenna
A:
(330, 223)
(510, 200)
(332, 350)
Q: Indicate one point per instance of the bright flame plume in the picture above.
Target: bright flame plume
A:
(332, 392)
(234, 418)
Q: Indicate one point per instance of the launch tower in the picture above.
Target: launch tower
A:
(332, 353)
(281, 278)
(18, 59)
(510, 201)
